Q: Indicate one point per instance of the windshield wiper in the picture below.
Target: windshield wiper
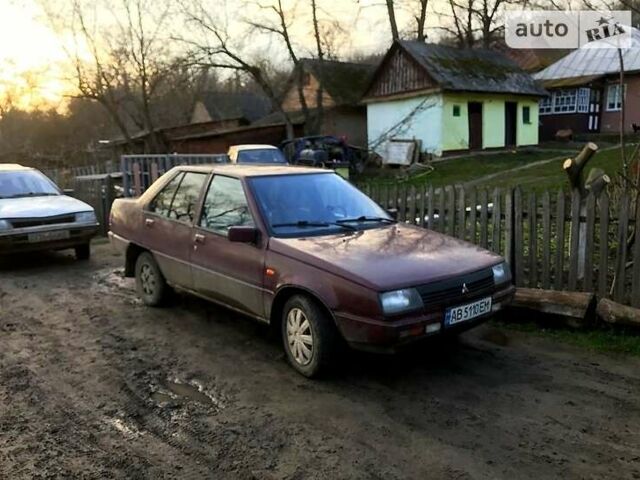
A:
(365, 218)
(32, 194)
(306, 223)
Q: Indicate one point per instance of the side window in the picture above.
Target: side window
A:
(225, 206)
(184, 205)
(161, 204)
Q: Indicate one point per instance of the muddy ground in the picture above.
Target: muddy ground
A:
(95, 385)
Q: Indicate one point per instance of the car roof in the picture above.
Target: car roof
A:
(12, 167)
(256, 146)
(252, 170)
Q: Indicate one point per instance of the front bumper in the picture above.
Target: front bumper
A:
(17, 241)
(391, 335)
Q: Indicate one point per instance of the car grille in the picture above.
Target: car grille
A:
(451, 290)
(37, 222)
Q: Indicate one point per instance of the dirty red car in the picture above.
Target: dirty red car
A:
(305, 251)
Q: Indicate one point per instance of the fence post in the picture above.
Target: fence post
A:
(575, 256)
(451, 212)
(603, 266)
(496, 220)
(462, 215)
(588, 247)
(621, 253)
(508, 227)
(546, 239)
(519, 237)
(560, 219)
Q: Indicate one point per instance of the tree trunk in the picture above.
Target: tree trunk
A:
(392, 20)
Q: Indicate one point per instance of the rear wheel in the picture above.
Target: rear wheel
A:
(83, 252)
(150, 283)
(310, 338)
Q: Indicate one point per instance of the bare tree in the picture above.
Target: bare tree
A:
(391, 12)
(119, 57)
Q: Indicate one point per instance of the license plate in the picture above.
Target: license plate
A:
(48, 236)
(466, 312)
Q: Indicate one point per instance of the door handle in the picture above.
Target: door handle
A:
(198, 238)
(149, 222)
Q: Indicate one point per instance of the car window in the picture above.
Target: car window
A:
(261, 156)
(184, 204)
(161, 204)
(225, 206)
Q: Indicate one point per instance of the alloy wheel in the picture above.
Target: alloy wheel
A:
(147, 279)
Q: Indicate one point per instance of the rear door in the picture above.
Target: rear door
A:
(168, 222)
(231, 273)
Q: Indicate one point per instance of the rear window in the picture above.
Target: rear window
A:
(265, 156)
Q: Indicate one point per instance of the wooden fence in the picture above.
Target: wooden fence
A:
(552, 240)
(140, 171)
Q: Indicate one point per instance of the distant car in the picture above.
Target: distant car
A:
(256, 154)
(36, 215)
(305, 251)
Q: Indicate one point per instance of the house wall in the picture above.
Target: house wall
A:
(350, 122)
(527, 134)
(291, 102)
(455, 130)
(200, 113)
(417, 117)
(610, 121)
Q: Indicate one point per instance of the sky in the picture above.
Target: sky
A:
(34, 65)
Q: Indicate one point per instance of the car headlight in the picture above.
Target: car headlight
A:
(4, 225)
(400, 301)
(501, 273)
(86, 217)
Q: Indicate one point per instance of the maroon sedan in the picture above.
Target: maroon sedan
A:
(304, 250)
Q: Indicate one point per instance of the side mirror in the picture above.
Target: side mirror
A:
(393, 213)
(242, 234)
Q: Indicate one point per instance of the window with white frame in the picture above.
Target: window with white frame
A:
(545, 106)
(564, 101)
(614, 99)
(583, 99)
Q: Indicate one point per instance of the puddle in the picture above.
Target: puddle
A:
(181, 393)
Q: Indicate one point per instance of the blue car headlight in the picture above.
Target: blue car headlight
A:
(399, 301)
(86, 217)
(501, 273)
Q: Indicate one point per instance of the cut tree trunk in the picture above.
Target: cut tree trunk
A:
(575, 307)
(614, 313)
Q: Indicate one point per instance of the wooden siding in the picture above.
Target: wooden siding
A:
(399, 74)
(291, 102)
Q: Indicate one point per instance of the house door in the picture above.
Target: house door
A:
(510, 123)
(475, 125)
(594, 110)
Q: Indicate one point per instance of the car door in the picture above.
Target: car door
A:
(228, 272)
(168, 221)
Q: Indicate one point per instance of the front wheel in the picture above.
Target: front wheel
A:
(310, 338)
(150, 283)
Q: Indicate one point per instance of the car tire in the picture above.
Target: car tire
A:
(150, 283)
(310, 338)
(83, 252)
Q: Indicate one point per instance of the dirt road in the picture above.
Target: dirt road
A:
(95, 385)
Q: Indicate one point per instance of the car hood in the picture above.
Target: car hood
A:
(35, 207)
(389, 257)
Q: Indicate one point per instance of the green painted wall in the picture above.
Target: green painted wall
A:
(455, 130)
(528, 132)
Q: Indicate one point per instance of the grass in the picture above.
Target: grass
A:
(460, 170)
(548, 176)
(603, 340)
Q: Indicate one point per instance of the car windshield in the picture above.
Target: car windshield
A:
(314, 204)
(26, 183)
(262, 155)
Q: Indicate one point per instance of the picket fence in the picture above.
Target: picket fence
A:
(552, 240)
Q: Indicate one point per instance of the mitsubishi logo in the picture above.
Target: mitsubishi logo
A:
(465, 289)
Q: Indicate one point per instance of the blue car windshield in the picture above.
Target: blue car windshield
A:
(314, 204)
(264, 155)
(25, 183)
